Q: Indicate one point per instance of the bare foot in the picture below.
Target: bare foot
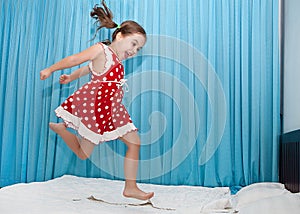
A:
(137, 194)
(57, 127)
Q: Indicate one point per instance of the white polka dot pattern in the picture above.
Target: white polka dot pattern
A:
(97, 105)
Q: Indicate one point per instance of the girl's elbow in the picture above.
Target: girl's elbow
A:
(73, 60)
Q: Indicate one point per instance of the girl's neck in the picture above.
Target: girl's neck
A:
(114, 49)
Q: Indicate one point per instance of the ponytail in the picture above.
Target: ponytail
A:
(104, 17)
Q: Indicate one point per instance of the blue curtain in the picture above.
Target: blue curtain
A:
(204, 91)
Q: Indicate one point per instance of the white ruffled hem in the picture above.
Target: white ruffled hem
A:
(75, 123)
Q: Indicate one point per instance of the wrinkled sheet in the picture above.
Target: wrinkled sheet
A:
(70, 194)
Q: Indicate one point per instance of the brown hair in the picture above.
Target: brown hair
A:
(104, 17)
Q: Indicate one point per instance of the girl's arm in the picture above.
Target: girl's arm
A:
(66, 78)
(71, 61)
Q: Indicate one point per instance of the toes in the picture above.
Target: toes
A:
(56, 127)
(52, 125)
(150, 195)
(140, 196)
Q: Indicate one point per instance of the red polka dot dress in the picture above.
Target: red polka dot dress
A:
(96, 110)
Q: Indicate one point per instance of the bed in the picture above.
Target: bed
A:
(73, 194)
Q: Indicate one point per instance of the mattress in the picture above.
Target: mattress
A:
(72, 194)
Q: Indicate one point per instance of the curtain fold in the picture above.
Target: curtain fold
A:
(204, 91)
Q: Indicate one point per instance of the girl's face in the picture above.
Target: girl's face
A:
(128, 46)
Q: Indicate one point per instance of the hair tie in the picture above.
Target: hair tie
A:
(119, 26)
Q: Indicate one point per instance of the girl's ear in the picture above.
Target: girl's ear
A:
(119, 36)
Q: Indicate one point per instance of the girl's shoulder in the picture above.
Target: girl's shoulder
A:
(100, 45)
(103, 44)
(99, 49)
(103, 61)
(103, 47)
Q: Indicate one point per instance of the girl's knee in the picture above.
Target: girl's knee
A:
(134, 145)
(83, 155)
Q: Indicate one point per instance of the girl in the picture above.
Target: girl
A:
(95, 110)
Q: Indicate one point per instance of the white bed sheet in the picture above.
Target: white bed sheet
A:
(69, 194)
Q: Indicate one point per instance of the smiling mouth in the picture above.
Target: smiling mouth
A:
(127, 55)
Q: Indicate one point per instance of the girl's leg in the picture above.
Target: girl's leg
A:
(131, 189)
(82, 149)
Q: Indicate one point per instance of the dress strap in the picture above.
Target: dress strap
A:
(109, 58)
(109, 61)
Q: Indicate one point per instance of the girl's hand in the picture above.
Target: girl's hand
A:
(44, 74)
(64, 79)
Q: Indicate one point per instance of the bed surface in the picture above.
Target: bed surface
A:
(72, 194)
